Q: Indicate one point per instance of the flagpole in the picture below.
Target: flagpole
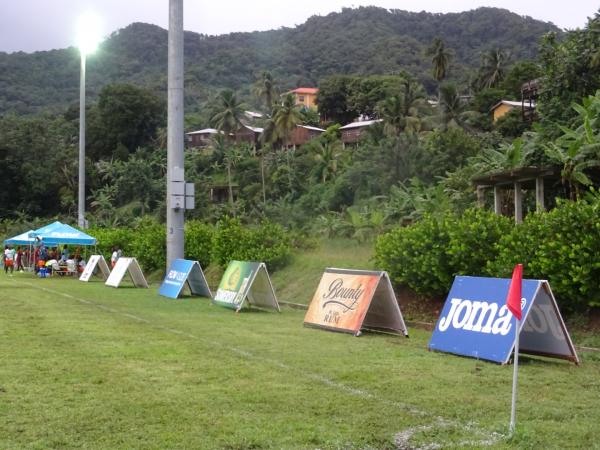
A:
(513, 410)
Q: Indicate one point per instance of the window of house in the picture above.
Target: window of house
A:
(301, 98)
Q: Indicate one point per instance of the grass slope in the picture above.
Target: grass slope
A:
(87, 366)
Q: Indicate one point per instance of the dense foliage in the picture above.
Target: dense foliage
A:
(558, 245)
(228, 240)
(362, 41)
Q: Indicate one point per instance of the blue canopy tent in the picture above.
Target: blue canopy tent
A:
(59, 233)
(21, 239)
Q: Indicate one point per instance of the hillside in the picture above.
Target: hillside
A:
(366, 40)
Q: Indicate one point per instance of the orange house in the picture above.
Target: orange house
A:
(304, 96)
(503, 107)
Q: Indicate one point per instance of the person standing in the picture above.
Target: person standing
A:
(9, 259)
(114, 257)
(19, 260)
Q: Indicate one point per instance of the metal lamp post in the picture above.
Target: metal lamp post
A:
(88, 37)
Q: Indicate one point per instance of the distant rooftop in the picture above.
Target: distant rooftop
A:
(303, 90)
(364, 123)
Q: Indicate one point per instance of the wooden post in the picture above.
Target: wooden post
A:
(480, 196)
(497, 204)
(518, 203)
(539, 194)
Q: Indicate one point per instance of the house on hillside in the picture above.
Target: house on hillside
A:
(503, 107)
(305, 97)
(354, 131)
(302, 134)
(248, 134)
(200, 138)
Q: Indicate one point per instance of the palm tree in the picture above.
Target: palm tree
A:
(440, 59)
(493, 68)
(285, 118)
(265, 90)
(328, 156)
(227, 113)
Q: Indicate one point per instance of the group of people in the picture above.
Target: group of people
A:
(40, 257)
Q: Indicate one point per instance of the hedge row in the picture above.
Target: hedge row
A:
(205, 243)
(562, 246)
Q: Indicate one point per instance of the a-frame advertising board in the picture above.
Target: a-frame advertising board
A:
(475, 321)
(184, 271)
(355, 300)
(246, 283)
(123, 266)
(95, 261)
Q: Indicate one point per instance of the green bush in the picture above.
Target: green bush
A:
(268, 243)
(416, 256)
(109, 237)
(198, 241)
(149, 245)
(561, 246)
(472, 240)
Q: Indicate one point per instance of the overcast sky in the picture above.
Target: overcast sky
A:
(31, 25)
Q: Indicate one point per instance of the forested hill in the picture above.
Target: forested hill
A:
(366, 40)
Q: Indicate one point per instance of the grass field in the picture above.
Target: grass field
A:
(87, 366)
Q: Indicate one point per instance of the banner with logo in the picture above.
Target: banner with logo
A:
(184, 271)
(246, 283)
(95, 261)
(124, 266)
(475, 321)
(353, 300)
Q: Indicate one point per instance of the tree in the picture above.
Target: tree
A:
(578, 148)
(265, 90)
(126, 116)
(571, 71)
(440, 59)
(227, 113)
(285, 118)
(493, 68)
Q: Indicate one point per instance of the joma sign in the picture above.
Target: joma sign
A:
(476, 322)
(477, 316)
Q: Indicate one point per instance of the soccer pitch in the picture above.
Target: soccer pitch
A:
(88, 366)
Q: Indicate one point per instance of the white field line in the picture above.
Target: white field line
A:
(401, 439)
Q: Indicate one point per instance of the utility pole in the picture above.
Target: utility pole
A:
(175, 167)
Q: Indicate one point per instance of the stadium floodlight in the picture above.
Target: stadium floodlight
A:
(88, 37)
(89, 33)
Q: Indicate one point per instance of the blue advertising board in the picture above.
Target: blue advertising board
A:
(180, 272)
(475, 321)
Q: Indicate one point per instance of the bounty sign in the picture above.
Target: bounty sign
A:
(352, 300)
(246, 283)
(180, 272)
(475, 321)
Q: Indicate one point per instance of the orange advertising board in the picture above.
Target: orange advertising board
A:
(344, 298)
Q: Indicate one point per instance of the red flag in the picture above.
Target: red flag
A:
(513, 299)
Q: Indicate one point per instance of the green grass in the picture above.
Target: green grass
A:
(87, 366)
(297, 282)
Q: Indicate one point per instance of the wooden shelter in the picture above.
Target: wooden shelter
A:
(517, 180)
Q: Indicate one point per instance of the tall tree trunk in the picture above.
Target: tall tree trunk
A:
(262, 176)
(230, 188)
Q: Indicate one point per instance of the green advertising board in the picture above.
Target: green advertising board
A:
(246, 283)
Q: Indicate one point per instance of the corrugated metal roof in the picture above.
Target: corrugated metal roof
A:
(365, 123)
(308, 127)
(204, 131)
(303, 90)
(512, 103)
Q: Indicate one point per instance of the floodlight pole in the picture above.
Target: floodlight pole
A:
(81, 177)
(175, 159)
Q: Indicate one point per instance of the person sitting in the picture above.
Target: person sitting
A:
(64, 256)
